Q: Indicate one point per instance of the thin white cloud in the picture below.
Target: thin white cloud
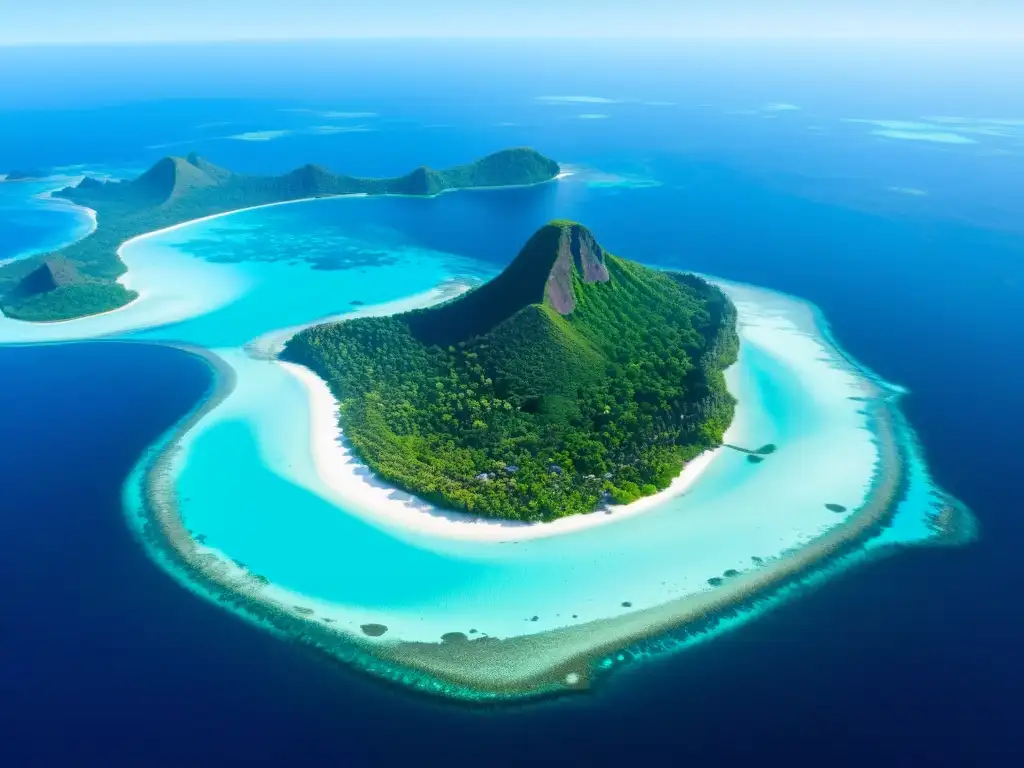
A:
(592, 116)
(166, 144)
(946, 129)
(330, 114)
(911, 191)
(895, 125)
(281, 133)
(575, 100)
(659, 103)
(995, 127)
(260, 135)
(936, 137)
(325, 130)
(313, 130)
(916, 130)
(774, 109)
(1013, 123)
(348, 115)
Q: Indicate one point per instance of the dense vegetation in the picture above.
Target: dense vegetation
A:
(573, 378)
(180, 189)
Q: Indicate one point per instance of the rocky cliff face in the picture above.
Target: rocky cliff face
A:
(48, 276)
(578, 250)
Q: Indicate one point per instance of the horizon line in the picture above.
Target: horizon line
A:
(1010, 37)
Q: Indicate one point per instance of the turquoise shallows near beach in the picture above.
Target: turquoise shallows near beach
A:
(36, 222)
(253, 499)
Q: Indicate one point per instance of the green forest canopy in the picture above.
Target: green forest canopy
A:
(572, 378)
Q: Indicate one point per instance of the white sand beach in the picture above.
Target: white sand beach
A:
(354, 486)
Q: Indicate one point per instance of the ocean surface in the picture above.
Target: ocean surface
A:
(885, 186)
(35, 224)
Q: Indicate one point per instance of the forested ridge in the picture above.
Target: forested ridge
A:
(179, 189)
(573, 378)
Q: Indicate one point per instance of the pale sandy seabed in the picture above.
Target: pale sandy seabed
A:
(863, 456)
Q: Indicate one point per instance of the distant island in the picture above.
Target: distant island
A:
(20, 175)
(81, 279)
(571, 379)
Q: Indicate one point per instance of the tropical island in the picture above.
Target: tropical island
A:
(25, 175)
(82, 280)
(572, 379)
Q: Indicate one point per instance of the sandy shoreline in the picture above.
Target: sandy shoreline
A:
(63, 203)
(57, 202)
(351, 483)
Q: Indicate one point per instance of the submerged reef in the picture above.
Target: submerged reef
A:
(474, 664)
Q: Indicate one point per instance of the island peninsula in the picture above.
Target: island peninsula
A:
(82, 279)
(571, 379)
(23, 175)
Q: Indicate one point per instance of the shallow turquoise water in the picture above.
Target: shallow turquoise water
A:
(249, 490)
(251, 493)
(33, 224)
(295, 263)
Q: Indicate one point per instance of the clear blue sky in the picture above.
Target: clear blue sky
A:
(68, 21)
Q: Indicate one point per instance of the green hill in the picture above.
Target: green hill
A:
(25, 175)
(178, 189)
(571, 378)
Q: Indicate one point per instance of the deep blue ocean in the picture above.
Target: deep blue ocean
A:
(752, 164)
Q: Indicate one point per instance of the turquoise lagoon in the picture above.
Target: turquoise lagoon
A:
(234, 503)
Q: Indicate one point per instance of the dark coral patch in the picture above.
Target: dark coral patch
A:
(730, 573)
(453, 637)
(835, 507)
(627, 604)
(753, 459)
(716, 581)
(373, 630)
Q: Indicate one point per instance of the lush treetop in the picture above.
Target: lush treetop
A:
(572, 378)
